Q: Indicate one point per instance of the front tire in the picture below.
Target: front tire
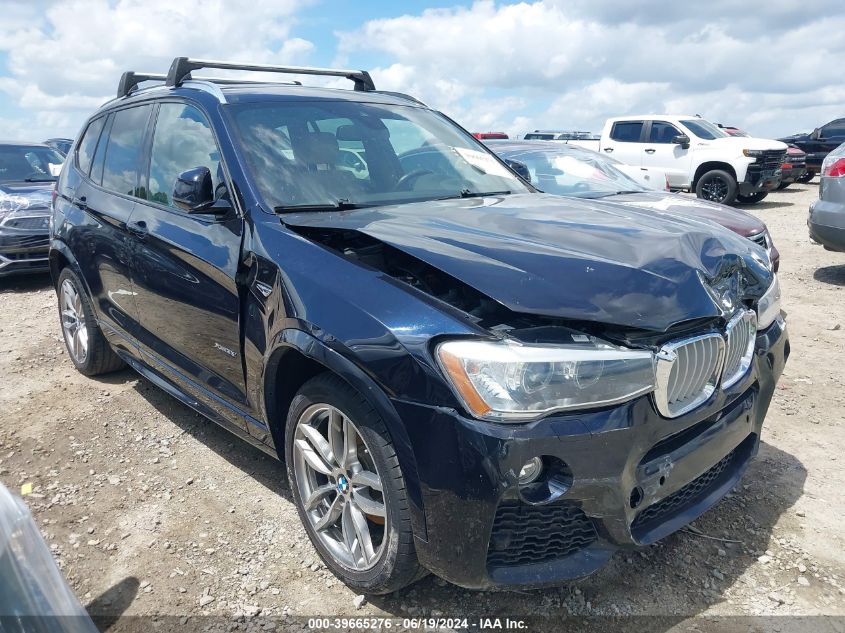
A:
(348, 487)
(806, 177)
(88, 349)
(716, 185)
(752, 198)
(783, 185)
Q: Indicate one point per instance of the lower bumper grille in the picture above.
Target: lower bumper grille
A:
(690, 494)
(524, 534)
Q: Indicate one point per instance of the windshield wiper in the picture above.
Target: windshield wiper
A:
(48, 179)
(342, 204)
(466, 193)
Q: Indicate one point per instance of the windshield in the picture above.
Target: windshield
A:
(572, 172)
(328, 153)
(704, 129)
(29, 163)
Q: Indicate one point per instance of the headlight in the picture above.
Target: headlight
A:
(768, 307)
(505, 381)
(752, 152)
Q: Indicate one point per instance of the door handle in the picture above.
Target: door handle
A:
(80, 202)
(608, 149)
(138, 229)
(650, 151)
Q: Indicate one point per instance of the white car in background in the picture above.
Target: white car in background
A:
(696, 155)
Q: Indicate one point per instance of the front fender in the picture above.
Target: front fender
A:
(317, 351)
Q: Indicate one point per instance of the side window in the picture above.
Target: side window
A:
(833, 129)
(662, 132)
(123, 152)
(627, 131)
(405, 135)
(85, 151)
(182, 141)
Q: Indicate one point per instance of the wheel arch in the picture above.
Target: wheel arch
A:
(703, 168)
(297, 357)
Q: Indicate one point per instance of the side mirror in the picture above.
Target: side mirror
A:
(682, 140)
(816, 134)
(193, 191)
(520, 168)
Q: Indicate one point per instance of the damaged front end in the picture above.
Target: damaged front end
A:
(24, 230)
(616, 388)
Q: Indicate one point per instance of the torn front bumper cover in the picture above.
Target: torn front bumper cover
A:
(620, 477)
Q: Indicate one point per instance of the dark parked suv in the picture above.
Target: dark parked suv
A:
(818, 144)
(26, 186)
(462, 374)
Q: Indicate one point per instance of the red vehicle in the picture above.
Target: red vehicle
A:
(482, 136)
(794, 167)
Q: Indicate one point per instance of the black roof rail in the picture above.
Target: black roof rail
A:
(129, 80)
(181, 68)
(401, 95)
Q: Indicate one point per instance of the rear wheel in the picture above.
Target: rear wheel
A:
(806, 177)
(88, 349)
(348, 487)
(716, 186)
(752, 198)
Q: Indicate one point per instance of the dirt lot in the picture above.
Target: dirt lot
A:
(150, 509)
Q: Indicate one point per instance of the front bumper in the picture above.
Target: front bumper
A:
(791, 174)
(23, 252)
(622, 477)
(759, 180)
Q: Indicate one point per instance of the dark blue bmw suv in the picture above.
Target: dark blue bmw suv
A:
(462, 374)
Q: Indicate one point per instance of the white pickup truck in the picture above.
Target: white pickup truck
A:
(695, 154)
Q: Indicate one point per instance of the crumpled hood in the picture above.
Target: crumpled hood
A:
(27, 195)
(560, 257)
(680, 206)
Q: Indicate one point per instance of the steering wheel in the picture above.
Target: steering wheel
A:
(405, 182)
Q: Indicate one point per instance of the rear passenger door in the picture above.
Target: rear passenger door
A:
(108, 159)
(626, 143)
(184, 266)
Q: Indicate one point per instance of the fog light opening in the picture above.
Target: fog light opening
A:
(636, 497)
(530, 471)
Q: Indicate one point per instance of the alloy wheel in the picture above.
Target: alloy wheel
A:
(715, 190)
(73, 321)
(340, 488)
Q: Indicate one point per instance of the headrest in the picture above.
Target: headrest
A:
(348, 132)
(317, 148)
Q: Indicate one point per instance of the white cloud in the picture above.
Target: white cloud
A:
(66, 57)
(575, 62)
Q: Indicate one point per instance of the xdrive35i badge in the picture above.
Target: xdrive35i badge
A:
(225, 350)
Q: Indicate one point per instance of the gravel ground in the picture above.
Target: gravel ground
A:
(150, 509)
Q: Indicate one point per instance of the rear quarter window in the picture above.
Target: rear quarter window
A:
(88, 145)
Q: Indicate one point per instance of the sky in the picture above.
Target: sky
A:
(769, 68)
